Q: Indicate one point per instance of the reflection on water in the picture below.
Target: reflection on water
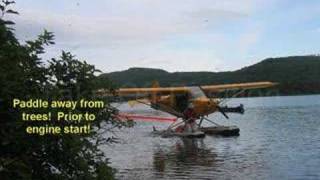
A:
(279, 139)
(185, 155)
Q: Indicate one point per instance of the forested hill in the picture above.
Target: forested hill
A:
(296, 75)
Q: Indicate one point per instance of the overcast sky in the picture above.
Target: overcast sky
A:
(175, 35)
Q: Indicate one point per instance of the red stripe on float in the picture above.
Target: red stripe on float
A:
(145, 118)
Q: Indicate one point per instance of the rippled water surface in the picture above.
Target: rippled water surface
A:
(279, 139)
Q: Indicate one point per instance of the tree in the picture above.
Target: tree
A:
(24, 75)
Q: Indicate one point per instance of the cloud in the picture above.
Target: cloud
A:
(249, 38)
(115, 34)
(124, 28)
(170, 60)
(140, 20)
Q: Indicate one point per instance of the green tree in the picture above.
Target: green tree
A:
(24, 75)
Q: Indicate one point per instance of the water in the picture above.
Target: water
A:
(279, 139)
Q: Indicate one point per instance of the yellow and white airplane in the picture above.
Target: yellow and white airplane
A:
(175, 100)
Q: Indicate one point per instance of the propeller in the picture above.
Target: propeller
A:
(224, 109)
(222, 112)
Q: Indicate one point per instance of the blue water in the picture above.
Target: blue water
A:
(279, 139)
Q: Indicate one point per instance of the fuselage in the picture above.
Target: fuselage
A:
(202, 106)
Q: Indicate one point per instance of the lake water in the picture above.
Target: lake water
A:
(279, 139)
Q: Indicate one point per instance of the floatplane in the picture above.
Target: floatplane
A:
(191, 105)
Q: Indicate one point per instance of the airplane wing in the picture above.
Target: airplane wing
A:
(242, 86)
(181, 90)
(158, 90)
